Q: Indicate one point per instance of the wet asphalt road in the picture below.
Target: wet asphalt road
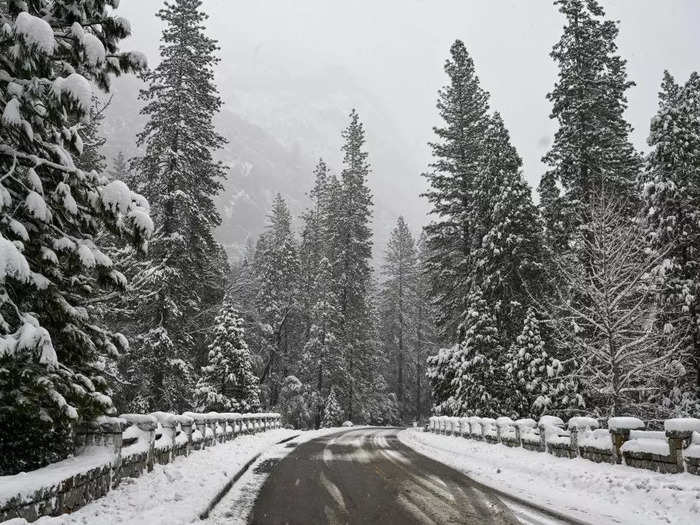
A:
(368, 476)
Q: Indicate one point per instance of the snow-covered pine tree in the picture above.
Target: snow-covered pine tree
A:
(454, 179)
(227, 382)
(332, 413)
(352, 250)
(52, 350)
(321, 358)
(399, 309)
(672, 203)
(179, 175)
(509, 257)
(478, 385)
(441, 371)
(313, 246)
(426, 341)
(538, 381)
(120, 168)
(277, 271)
(591, 150)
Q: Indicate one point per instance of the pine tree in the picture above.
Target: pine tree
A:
(332, 413)
(179, 175)
(539, 382)
(509, 257)
(672, 204)
(320, 351)
(352, 239)
(227, 383)
(591, 152)
(478, 385)
(277, 298)
(120, 168)
(426, 341)
(399, 305)
(454, 180)
(313, 245)
(53, 350)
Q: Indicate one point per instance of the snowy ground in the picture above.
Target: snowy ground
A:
(588, 491)
(177, 492)
(235, 507)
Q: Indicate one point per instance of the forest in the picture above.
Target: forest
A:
(580, 298)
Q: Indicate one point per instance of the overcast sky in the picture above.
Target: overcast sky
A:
(392, 52)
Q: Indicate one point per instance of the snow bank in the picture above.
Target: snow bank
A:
(590, 492)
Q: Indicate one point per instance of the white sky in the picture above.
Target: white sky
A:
(393, 50)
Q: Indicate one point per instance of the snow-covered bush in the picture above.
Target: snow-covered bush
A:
(54, 53)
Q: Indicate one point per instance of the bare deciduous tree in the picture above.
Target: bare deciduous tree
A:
(604, 312)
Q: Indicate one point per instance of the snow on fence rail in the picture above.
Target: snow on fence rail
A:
(673, 450)
(112, 448)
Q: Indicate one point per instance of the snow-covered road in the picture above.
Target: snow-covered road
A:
(365, 476)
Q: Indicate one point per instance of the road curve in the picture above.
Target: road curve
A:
(366, 476)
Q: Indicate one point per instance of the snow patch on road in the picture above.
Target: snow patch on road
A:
(590, 492)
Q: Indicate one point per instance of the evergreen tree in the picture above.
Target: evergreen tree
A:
(320, 351)
(539, 382)
(227, 382)
(53, 350)
(332, 413)
(277, 298)
(399, 305)
(509, 257)
(591, 152)
(179, 175)
(120, 168)
(426, 341)
(313, 245)
(441, 372)
(352, 238)
(672, 204)
(478, 384)
(454, 181)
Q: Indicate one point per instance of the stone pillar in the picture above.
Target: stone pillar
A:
(213, 424)
(677, 441)
(543, 438)
(186, 427)
(149, 427)
(169, 427)
(574, 440)
(618, 436)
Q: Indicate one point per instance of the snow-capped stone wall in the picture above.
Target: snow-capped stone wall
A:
(675, 449)
(112, 448)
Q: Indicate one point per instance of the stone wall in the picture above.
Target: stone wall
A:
(111, 449)
(675, 449)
